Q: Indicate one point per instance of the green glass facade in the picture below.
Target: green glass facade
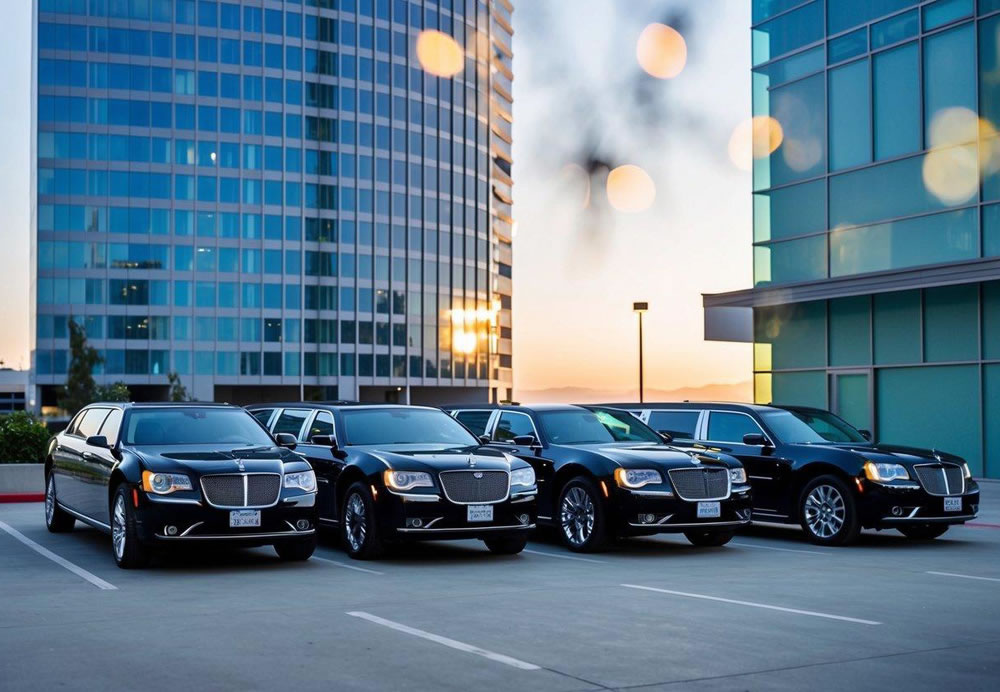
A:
(876, 282)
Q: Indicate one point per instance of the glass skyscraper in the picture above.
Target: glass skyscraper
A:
(876, 223)
(273, 198)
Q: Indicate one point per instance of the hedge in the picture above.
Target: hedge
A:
(22, 439)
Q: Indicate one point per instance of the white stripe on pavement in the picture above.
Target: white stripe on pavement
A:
(445, 641)
(794, 611)
(964, 576)
(341, 564)
(62, 562)
(564, 557)
(783, 550)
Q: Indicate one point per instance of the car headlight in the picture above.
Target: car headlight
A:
(738, 475)
(966, 471)
(882, 472)
(164, 483)
(303, 480)
(522, 476)
(637, 478)
(407, 480)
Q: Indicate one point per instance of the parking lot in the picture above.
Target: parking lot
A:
(769, 610)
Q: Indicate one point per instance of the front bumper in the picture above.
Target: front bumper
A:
(196, 521)
(891, 505)
(414, 517)
(639, 513)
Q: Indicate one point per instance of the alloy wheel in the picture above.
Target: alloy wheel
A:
(825, 511)
(50, 501)
(577, 515)
(355, 522)
(118, 527)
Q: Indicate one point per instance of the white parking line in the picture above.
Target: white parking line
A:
(794, 611)
(963, 576)
(445, 641)
(62, 562)
(564, 557)
(783, 550)
(341, 564)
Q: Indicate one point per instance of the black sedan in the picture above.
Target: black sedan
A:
(602, 473)
(810, 467)
(159, 474)
(399, 473)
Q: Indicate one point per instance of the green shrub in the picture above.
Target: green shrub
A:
(22, 439)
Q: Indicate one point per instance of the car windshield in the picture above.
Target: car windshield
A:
(193, 425)
(583, 426)
(392, 426)
(810, 427)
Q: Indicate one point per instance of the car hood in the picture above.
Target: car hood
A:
(894, 454)
(433, 458)
(642, 455)
(200, 460)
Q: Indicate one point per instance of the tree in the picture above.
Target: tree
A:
(80, 385)
(178, 392)
(112, 392)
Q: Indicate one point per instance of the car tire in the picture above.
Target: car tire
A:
(582, 521)
(506, 545)
(828, 512)
(127, 549)
(297, 550)
(923, 532)
(359, 527)
(709, 539)
(57, 520)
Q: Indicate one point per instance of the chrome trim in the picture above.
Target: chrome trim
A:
(432, 522)
(693, 526)
(740, 489)
(957, 519)
(471, 529)
(729, 484)
(85, 519)
(762, 478)
(495, 502)
(414, 497)
(320, 479)
(766, 513)
(651, 493)
(893, 486)
(237, 536)
(323, 520)
(281, 487)
(947, 487)
(521, 499)
(544, 517)
(191, 528)
(153, 497)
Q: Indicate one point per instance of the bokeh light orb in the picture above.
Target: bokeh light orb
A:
(661, 51)
(630, 189)
(439, 54)
(952, 173)
(756, 138)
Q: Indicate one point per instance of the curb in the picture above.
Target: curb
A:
(21, 497)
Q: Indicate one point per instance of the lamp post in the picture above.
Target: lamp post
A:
(640, 308)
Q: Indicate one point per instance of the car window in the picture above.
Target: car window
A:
(397, 426)
(111, 425)
(730, 427)
(475, 421)
(75, 423)
(190, 425)
(263, 415)
(290, 421)
(680, 424)
(91, 422)
(512, 425)
(322, 424)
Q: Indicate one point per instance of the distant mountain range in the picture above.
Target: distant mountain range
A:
(738, 391)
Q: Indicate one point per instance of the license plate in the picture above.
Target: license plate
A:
(241, 518)
(480, 513)
(953, 504)
(709, 510)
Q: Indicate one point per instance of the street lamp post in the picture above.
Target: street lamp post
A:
(640, 308)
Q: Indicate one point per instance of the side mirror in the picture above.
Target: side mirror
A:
(98, 441)
(323, 440)
(667, 437)
(286, 440)
(484, 439)
(867, 434)
(755, 440)
(525, 441)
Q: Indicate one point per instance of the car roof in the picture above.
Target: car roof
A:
(724, 405)
(164, 404)
(512, 407)
(333, 405)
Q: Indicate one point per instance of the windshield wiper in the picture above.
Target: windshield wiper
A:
(249, 450)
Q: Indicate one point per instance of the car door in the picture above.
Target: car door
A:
(101, 462)
(90, 488)
(324, 463)
(67, 464)
(511, 424)
(766, 471)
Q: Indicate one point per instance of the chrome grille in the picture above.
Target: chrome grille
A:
(700, 484)
(475, 487)
(941, 479)
(242, 489)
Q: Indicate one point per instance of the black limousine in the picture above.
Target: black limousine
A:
(390, 473)
(159, 474)
(811, 467)
(602, 473)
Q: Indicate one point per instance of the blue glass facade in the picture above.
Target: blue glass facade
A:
(273, 197)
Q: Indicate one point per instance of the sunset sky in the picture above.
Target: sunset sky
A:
(579, 95)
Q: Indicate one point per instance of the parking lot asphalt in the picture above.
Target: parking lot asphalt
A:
(768, 611)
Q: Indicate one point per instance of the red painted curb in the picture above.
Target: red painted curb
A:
(22, 497)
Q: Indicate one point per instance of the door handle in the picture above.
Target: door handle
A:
(89, 456)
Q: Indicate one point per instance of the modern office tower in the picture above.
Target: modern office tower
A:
(274, 199)
(876, 228)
